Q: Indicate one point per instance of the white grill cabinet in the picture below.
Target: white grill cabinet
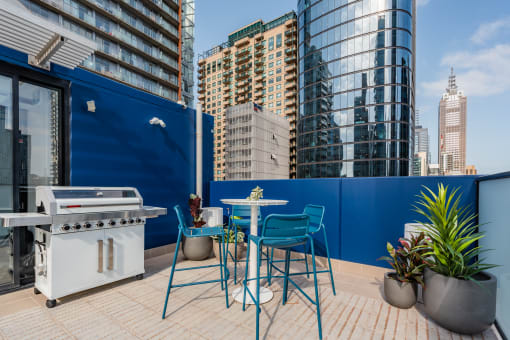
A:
(85, 237)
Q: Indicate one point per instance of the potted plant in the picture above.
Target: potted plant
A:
(231, 243)
(459, 295)
(196, 248)
(401, 286)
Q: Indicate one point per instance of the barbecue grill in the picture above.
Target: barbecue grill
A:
(85, 237)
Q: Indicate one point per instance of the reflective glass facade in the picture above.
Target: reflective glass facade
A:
(356, 88)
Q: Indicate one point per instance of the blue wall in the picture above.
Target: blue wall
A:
(362, 214)
(116, 145)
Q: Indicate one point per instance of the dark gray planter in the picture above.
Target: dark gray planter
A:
(399, 294)
(461, 306)
(197, 248)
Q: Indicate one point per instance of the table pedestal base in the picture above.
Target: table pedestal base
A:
(265, 295)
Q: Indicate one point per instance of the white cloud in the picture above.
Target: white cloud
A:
(421, 2)
(488, 30)
(482, 72)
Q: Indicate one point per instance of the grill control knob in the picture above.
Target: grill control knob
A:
(138, 220)
(100, 224)
(66, 227)
(123, 221)
(88, 225)
(112, 223)
(131, 221)
(77, 226)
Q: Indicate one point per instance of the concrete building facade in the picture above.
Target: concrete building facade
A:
(257, 143)
(147, 44)
(257, 64)
(452, 130)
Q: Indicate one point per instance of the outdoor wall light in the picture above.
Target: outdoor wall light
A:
(91, 106)
(183, 104)
(157, 121)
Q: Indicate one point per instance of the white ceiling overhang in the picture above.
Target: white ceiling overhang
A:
(43, 40)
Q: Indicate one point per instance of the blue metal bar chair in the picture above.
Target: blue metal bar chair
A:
(199, 232)
(283, 232)
(316, 214)
(239, 220)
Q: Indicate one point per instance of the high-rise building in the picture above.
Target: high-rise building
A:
(452, 130)
(256, 64)
(420, 164)
(421, 138)
(147, 44)
(257, 143)
(356, 88)
(471, 170)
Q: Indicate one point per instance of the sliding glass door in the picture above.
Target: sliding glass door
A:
(32, 143)
(6, 175)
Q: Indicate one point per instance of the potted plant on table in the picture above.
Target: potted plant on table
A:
(230, 238)
(196, 248)
(401, 286)
(460, 295)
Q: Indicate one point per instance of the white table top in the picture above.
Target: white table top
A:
(244, 201)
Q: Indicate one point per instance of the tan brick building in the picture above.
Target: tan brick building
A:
(257, 64)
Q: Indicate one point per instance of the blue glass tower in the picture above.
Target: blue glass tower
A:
(356, 88)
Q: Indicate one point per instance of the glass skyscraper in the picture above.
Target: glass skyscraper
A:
(356, 88)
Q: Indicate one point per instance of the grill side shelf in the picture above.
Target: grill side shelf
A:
(8, 220)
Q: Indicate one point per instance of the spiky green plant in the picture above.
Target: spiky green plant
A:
(453, 233)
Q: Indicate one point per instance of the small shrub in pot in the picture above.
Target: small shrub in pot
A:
(231, 243)
(400, 286)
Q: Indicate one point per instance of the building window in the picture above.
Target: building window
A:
(270, 44)
(279, 78)
(278, 70)
(278, 54)
(271, 57)
(278, 62)
(270, 89)
(271, 64)
(279, 40)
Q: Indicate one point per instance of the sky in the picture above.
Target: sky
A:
(472, 36)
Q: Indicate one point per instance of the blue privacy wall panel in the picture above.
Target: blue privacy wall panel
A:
(374, 211)
(362, 214)
(116, 145)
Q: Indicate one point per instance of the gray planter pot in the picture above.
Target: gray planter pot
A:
(231, 247)
(399, 294)
(197, 248)
(461, 306)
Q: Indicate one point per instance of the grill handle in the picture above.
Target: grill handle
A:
(100, 256)
(110, 254)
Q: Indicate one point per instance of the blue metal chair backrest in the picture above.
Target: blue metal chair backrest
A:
(243, 211)
(316, 214)
(180, 217)
(285, 226)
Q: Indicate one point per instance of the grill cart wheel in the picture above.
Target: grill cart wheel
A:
(51, 303)
(36, 291)
(139, 277)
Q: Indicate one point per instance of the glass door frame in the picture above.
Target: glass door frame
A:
(17, 74)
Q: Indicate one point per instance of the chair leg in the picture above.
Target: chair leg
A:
(305, 246)
(257, 294)
(235, 254)
(270, 272)
(317, 302)
(286, 277)
(220, 250)
(329, 261)
(224, 269)
(172, 272)
(267, 266)
(246, 275)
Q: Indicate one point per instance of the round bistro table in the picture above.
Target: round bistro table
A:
(266, 294)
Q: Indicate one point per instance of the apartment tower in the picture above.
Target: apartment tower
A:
(256, 64)
(452, 130)
(147, 44)
(257, 143)
(356, 88)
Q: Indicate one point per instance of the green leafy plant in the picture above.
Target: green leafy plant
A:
(453, 232)
(407, 260)
(230, 237)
